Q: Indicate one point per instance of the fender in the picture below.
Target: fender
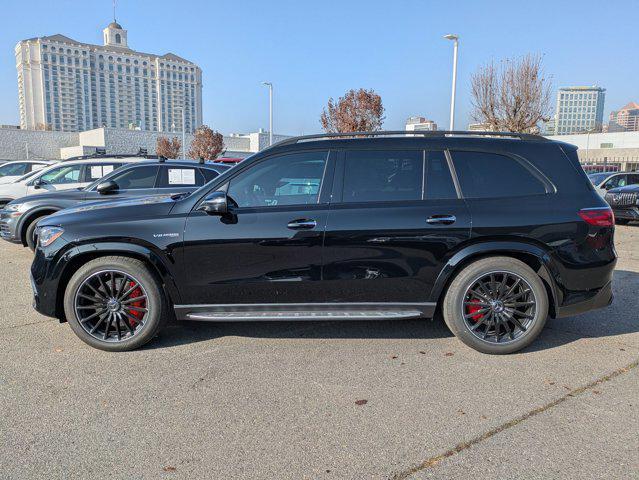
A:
(493, 247)
(26, 217)
(146, 253)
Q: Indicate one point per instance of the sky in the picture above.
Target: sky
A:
(315, 50)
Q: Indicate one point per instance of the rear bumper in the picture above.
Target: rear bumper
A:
(587, 301)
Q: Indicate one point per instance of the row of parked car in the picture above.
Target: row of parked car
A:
(49, 187)
(493, 232)
(621, 191)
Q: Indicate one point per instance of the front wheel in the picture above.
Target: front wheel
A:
(115, 304)
(30, 237)
(496, 305)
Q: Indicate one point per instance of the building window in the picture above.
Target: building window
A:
(118, 38)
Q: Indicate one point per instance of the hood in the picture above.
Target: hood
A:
(117, 210)
(75, 194)
(626, 189)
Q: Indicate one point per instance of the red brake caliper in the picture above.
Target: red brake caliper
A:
(475, 308)
(137, 292)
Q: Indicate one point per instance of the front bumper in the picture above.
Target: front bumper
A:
(631, 213)
(9, 226)
(45, 278)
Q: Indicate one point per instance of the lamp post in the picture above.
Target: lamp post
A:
(270, 111)
(455, 39)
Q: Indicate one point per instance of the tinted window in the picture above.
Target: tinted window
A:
(486, 175)
(383, 175)
(62, 175)
(633, 179)
(13, 169)
(209, 174)
(438, 183)
(282, 180)
(136, 177)
(179, 176)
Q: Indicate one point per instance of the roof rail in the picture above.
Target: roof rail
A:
(428, 134)
(142, 153)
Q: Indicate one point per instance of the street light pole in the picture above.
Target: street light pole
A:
(455, 39)
(270, 112)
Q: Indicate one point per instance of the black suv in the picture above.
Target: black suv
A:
(18, 218)
(495, 232)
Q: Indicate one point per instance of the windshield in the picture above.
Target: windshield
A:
(27, 176)
(597, 178)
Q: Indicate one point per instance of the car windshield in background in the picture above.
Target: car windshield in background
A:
(597, 178)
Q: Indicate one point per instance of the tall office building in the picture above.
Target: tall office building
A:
(579, 110)
(68, 85)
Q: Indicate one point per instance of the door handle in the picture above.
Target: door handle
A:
(441, 219)
(302, 224)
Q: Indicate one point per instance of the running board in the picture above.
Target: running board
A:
(303, 312)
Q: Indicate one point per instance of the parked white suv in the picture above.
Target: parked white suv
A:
(64, 175)
(11, 171)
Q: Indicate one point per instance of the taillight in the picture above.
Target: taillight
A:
(599, 217)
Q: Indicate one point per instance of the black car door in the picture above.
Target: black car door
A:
(396, 217)
(269, 249)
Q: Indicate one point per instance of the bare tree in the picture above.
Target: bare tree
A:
(168, 148)
(357, 111)
(207, 144)
(514, 96)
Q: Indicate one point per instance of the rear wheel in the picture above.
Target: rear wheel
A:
(496, 305)
(115, 304)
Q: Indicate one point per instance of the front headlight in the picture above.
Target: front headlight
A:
(15, 209)
(48, 235)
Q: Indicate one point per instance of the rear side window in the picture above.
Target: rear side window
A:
(15, 169)
(490, 175)
(438, 183)
(136, 177)
(180, 176)
(95, 172)
(383, 175)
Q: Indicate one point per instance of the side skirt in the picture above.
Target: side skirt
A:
(304, 311)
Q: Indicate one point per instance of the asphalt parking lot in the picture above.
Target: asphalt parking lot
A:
(380, 400)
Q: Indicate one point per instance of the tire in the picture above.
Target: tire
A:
(98, 275)
(621, 221)
(480, 313)
(29, 234)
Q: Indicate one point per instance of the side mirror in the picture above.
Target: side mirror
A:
(38, 182)
(107, 187)
(215, 203)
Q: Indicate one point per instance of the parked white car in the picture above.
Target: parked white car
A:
(608, 180)
(11, 171)
(64, 175)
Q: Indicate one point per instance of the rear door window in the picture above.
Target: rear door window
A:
(383, 175)
(136, 177)
(633, 179)
(94, 172)
(438, 182)
(180, 176)
(491, 175)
